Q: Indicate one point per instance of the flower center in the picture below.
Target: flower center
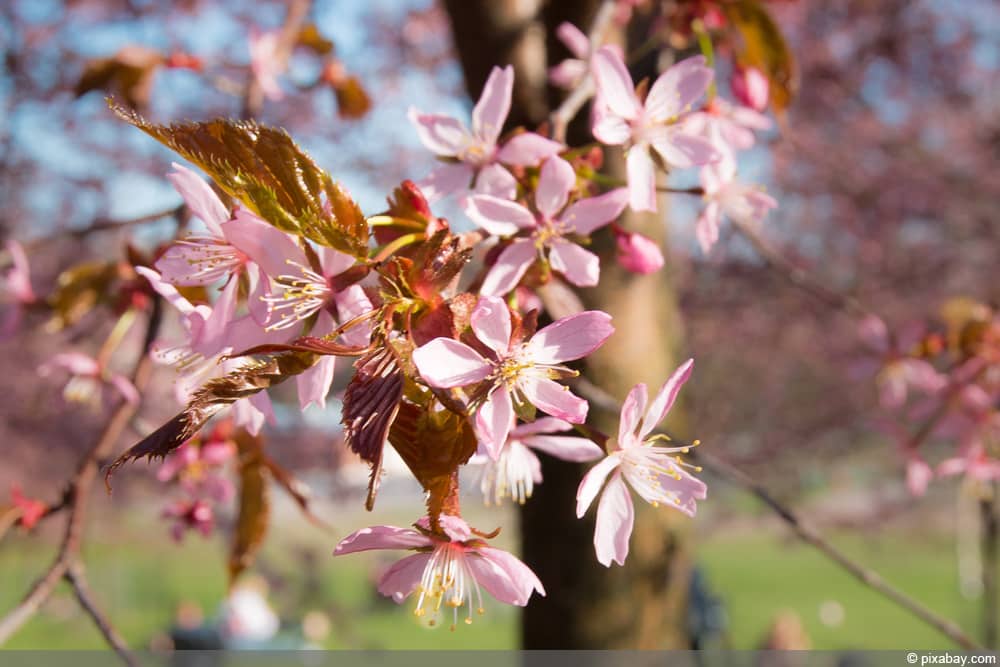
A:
(510, 476)
(447, 580)
(210, 258)
(300, 296)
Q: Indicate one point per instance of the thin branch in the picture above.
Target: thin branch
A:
(76, 578)
(807, 533)
(105, 225)
(253, 98)
(78, 492)
(571, 105)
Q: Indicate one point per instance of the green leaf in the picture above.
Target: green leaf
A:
(263, 168)
(764, 47)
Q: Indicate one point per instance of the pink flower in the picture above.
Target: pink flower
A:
(638, 253)
(31, 511)
(514, 371)
(751, 87)
(264, 63)
(725, 195)
(474, 155)
(897, 373)
(918, 474)
(571, 72)
(656, 473)
(198, 467)
(973, 462)
(190, 515)
(448, 569)
(15, 290)
(545, 229)
(652, 125)
(517, 469)
(223, 253)
(731, 127)
(88, 377)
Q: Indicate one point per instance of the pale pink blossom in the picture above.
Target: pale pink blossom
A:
(726, 195)
(190, 515)
(652, 125)
(222, 253)
(88, 378)
(199, 467)
(571, 72)
(16, 293)
(513, 370)
(751, 87)
(265, 64)
(730, 127)
(897, 373)
(449, 569)
(541, 234)
(516, 471)
(918, 474)
(637, 253)
(973, 462)
(655, 472)
(473, 158)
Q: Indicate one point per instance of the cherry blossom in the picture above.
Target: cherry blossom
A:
(571, 72)
(652, 126)
(540, 234)
(264, 63)
(450, 568)
(726, 195)
(514, 371)
(88, 378)
(516, 471)
(897, 372)
(474, 156)
(751, 87)
(729, 126)
(15, 290)
(190, 515)
(655, 472)
(31, 510)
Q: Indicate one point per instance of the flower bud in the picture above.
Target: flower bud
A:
(750, 87)
(638, 253)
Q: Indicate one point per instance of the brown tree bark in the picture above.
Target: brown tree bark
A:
(642, 605)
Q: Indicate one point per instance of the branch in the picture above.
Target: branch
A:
(78, 491)
(75, 577)
(803, 530)
(105, 225)
(253, 98)
(571, 105)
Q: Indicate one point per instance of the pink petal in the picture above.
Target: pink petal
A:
(641, 179)
(677, 89)
(495, 180)
(199, 197)
(18, 278)
(259, 288)
(447, 179)
(706, 229)
(510, 267)
(445, 363)
(751, 87)
(491, 110)
(615, 84)
(314, 384)
(574, 39)
(638, 254)
(568, 74)
(382, 537)
(269, 247)
(125, 388)
(166, 290)
(494, 419)
(403, 577)
(553, 398)
(453, 526)
(77, 363)
(665, 398)
(591, 483)
(586, 215)
(442, 135)
(528, 149)
(212, 338)
(632, 409)
(580, 267)
(570, 338)
(683, 150)
(541, 425)
(505, 577)
(498, 216)
(351, 303)
(615, 518)
(490, 321)
(555, 182)
(918, 475)
(611, 130)
(565, 447)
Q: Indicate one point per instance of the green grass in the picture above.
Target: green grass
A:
(140, 577)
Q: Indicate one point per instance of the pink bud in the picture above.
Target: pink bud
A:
(638, 253)
(750, 87)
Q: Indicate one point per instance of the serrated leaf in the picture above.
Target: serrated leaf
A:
(764, 47)
(254, 505)
(433, 442)
(263, 168)
(209, 400)
(370, 405)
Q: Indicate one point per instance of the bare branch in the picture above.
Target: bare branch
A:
(76, 578)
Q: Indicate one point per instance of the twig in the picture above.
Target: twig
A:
(798, 276)
(104, 225)
(78, 492)
(571, 105)
(253, 98)
(602, 400)
(77, 579)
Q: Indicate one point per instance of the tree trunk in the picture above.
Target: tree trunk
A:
(644, 604)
